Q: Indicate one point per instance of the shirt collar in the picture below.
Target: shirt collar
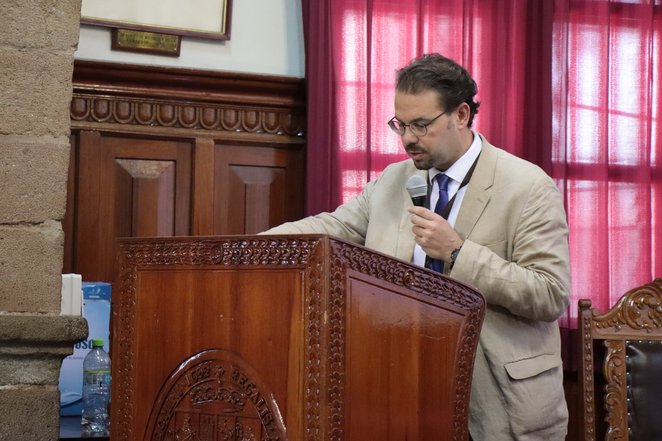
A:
(459, 169)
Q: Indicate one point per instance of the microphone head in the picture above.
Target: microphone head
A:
(417, 189)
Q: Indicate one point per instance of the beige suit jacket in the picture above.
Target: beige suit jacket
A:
(516, 254)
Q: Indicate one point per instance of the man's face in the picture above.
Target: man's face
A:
(442, 145)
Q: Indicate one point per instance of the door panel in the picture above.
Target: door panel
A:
(260, 187)
(127, 187)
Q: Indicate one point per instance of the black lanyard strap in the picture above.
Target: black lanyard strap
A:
(449, 206)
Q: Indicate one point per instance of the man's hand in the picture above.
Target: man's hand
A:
(434, 234)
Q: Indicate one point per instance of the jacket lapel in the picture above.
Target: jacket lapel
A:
(477, 196)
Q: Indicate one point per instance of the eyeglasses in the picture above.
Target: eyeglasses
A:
(417, 128)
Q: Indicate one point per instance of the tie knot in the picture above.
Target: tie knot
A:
(442, 181)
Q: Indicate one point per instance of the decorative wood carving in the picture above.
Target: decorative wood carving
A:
(203, 251)
(215, 395)
(313, 359)
(639, 309)
(636, 316)
(586, 374)
(185, 99)
(123, 368)
(615, 395)
(166, 113)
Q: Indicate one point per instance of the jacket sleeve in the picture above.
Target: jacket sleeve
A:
(529, 276)
(349, 221)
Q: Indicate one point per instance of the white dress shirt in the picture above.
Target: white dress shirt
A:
(456, 172)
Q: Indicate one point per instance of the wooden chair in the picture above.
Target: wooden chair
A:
(631, 333)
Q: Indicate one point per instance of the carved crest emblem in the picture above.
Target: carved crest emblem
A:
(215, 396)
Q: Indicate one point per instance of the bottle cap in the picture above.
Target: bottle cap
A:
(97, 342)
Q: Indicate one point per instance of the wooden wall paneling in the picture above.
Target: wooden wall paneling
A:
(259, 187)
(202, 217)
(91, 235)
(128, 187)
(152, 146)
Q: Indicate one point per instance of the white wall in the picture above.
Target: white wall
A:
(266, 37)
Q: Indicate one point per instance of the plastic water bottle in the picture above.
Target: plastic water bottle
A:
(96, 390)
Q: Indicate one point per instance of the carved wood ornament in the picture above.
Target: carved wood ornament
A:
(215, 395)
(637, 315)
(154, 98)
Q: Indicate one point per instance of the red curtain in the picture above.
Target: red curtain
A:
(571, 85)
(606, 143)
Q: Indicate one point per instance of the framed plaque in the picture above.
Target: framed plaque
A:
(194, 18)
(156, 43)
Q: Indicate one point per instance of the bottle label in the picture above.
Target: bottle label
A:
(100, 377)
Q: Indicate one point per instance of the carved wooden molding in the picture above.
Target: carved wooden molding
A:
(200, 251)
(313, 358)
(615, 390)
(639, 309)
(141, 96)
(124, 392)
(89, 107)
(586, 374)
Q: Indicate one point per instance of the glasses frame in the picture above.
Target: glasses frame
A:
(401, 128)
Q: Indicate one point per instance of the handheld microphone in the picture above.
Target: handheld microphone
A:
(417, 189)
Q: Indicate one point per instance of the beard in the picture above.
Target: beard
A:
(421, 157)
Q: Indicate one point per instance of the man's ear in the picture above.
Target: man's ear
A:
(463, 113)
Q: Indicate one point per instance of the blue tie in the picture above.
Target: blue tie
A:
(442, 182)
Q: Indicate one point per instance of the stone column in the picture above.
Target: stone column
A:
(37, 43)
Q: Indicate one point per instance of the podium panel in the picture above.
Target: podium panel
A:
(287, 338)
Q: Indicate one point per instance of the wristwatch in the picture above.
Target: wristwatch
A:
(454, 254)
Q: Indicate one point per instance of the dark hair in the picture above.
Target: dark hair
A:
(435, 72)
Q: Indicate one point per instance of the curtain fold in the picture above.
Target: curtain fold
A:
(570, 85)
(322, 176)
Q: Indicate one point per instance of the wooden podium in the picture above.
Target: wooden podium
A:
(287, 338)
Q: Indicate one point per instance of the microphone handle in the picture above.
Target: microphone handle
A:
(419, 201)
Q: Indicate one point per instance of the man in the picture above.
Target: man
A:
(506, 235)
